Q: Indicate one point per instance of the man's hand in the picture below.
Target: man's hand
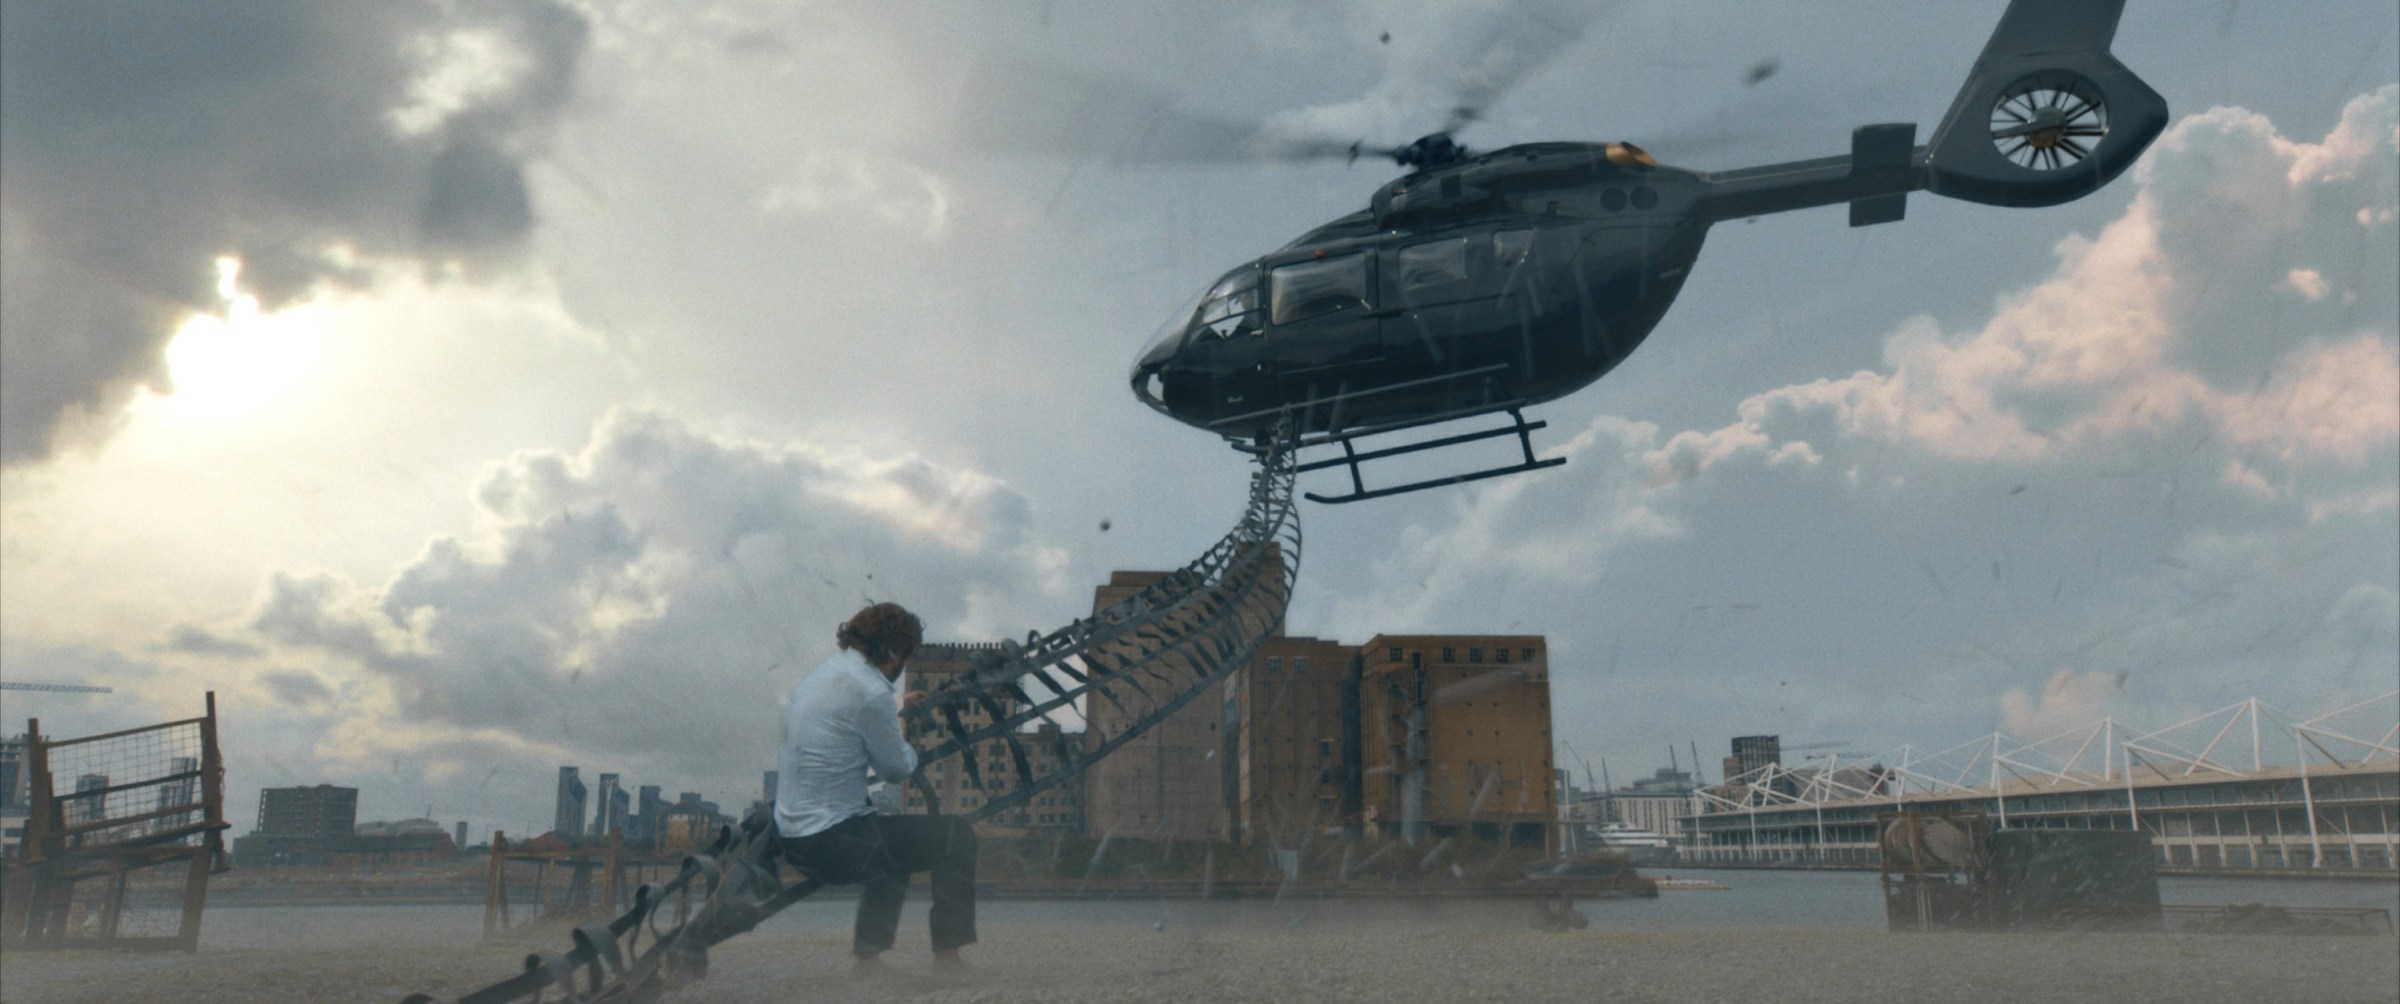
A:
(911, 699)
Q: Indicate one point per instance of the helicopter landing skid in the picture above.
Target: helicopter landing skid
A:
(1351, 457)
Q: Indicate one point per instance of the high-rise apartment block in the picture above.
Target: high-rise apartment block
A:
(1753, 752)
(567, 821)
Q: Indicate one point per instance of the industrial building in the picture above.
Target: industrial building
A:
(2240, 789)
(1166, 782)
(1455, 737)
(1284, 767)
(1408, 735)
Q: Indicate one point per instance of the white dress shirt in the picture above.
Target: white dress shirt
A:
(839, 721)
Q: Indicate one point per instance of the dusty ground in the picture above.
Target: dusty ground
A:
(1363, 959)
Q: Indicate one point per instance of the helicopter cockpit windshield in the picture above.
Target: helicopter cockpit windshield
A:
(1169, 336)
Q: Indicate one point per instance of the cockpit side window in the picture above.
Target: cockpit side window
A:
(1433, 263)
(1306, 289)
(1232, 305)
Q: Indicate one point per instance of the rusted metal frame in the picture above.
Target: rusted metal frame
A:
(131, 785)
(116, 822)
(122, 733)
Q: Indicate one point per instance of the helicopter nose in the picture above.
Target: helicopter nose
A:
(1149, 385)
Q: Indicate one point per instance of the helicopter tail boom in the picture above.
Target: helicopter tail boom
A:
(1884, 165)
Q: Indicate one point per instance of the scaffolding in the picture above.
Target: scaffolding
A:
(120, 857)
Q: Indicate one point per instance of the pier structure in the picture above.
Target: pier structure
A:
(2245, 788)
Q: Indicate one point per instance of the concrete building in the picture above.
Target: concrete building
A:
(567, 820)
(15, 782)
(646, 809)
(612, 806)
(688, 824)
(1751, 753)
(1283, 767)
(300, 825)
(1056, 810)
(319, 811)
(1455, 737)
(16, 800)
(1165, 782)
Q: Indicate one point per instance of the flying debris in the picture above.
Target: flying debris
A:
(1760, 71)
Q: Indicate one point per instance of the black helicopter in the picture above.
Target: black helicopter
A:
(1481, 283)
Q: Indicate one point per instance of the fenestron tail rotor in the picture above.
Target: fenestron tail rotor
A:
(2048, 122)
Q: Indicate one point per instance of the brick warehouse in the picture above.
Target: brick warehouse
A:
(1406, 736)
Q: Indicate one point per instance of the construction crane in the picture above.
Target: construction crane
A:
(56, 688)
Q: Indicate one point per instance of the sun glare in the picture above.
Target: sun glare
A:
(236, 362)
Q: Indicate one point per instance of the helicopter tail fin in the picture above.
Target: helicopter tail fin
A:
(2048, 115)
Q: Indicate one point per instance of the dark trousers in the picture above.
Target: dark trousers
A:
(880, 853)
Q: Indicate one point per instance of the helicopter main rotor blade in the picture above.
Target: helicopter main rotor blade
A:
(1521, 41)
(1021, 108)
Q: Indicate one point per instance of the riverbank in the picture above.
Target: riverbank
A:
(1441, 952)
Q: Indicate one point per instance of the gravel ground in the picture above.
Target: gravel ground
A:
(1463, 956)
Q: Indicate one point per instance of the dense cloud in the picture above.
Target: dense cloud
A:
(649, 598)
(310, 142)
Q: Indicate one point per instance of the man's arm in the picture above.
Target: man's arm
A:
(891, 756)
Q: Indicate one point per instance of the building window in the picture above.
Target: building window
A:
(1529, 655)
(1275, 664)
(1324, 775)
(1501, 653)
(1324, 747)
(1449, 655)
(1475, 654)
(1325, 804)
(1395, 653)
(1299, 664)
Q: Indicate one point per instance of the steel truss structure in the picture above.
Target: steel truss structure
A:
(1162, 647)
(2102, 768)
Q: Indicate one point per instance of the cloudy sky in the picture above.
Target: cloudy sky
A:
(461, 389)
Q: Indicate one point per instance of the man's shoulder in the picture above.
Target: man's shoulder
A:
(843, 673)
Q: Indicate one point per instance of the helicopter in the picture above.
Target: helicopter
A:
(1479, 284)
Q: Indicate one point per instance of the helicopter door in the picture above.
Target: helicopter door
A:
(1443, 292)
(1322, 326)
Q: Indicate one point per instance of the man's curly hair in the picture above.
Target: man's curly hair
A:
(881, 632)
